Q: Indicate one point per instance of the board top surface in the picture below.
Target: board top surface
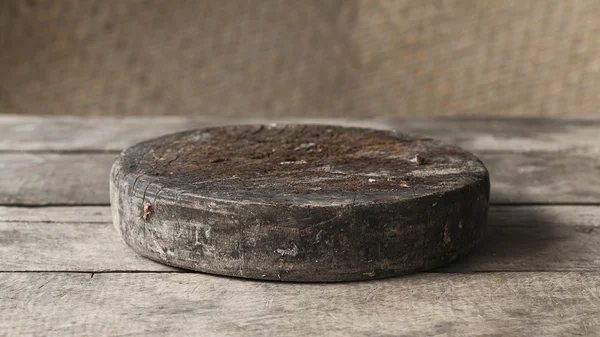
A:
(318, 165)
(309, 203)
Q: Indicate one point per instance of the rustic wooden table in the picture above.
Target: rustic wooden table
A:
(64, 272)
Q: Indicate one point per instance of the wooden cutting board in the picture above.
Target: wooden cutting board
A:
(299, 202)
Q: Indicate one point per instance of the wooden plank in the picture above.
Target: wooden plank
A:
(67, 246)
(82, 179)
(543, 177)
(527, 238)
(31, 133)
(537, 238)
(496, 304)
(80, 214)
(40, 179)
(509, 135)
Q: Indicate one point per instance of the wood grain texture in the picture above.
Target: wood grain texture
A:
(40, 179)
(67, 246)
(32, 133)
(531, 161)
(82, 179)
(508, 135)
(543, 177)
(80, 214)
(537, 238)
(299, 203)
(499, 304)
(519, 238)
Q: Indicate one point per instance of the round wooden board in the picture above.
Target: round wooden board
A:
(299, 202)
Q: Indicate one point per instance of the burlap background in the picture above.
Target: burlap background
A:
(262, 58)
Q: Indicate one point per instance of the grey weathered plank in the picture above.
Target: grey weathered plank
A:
(78, 214)
(508, 135)
(496, 304)
(543, 177)
(82, 179)
(67, 246)
(38, 179)
(523, 238)
(537, 238)
(33, 133)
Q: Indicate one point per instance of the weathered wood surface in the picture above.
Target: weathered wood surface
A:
(520, 238)
(543, 177)
(31, 133)
(537, 238)
(67, 246)
(508, 135)
(79, 214)
(531, 161)
(499, 304)
(552, 155)
(82, 179)
(40, 179)
(299, 203)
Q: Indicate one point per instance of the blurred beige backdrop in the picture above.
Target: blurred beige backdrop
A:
(267, 58)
